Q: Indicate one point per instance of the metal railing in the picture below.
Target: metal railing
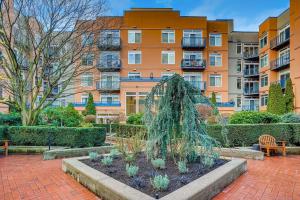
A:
(109, 43)
(193, 42)
(251, 72)
(250, 107)
(198, 84)
(280, 62)
(100, 103)
(140, 79)
(225, 104)
(280, 40)
(251, 54)
(193, 64)
(251, 90)
(108, 85)
(105, 64)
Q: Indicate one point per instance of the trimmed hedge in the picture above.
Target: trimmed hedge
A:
(238, 134)
(59, 136)
(253, 117)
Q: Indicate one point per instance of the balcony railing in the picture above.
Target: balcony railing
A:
(250, 107)
(251, 55)
(108, 85)
(109, 43)
(281, 62)
(201, 85)
(193, 42)
(190, 64)
(280, 41)
(140, 79)
(225, 104)
(250, 72)
(101, 103)
(254, 90)
(109, 65)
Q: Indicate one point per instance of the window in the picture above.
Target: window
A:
(264, 80)
(264, 61)
(263, 41)
(215, 80)
(84, 98)
(134, 75)
(87, 79)
(238, 102)
(87, 59)
(239, 66)
(167, 74)
(239, 83)
(109, 98)
(215, 40)
(238, 48)
(168, 57)
(264, 100)
(134, 36)
(215, 59)
(134, 57)
(87, 39)
(168, 36)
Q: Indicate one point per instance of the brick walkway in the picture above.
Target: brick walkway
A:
(29, 177)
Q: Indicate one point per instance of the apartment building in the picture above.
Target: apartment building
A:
(135, 54)
(244, 70)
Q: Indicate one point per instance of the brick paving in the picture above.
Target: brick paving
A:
(29, 177)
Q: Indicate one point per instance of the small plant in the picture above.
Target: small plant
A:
(107, 160)
(138, 182)
(131, 170)
(182, 168)
(159, 163)
(160, 182)
(93, 156)
(114, 153)
(130, 158)
(208, 161)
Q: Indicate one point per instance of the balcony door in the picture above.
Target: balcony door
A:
(284, 56)
(284, 34)
(192, 37)
(194, 78)
(192, 58)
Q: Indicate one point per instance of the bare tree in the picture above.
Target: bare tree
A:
(42, 42)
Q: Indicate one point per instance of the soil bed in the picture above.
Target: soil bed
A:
(146, 171)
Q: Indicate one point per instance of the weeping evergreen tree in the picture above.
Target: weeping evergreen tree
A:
(173, 121)
(90, 108)
(289, 96)
(276, 101)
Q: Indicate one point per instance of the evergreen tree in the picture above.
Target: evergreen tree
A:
(276, 100)
(213, 98)
(289, 96)
(90, 108)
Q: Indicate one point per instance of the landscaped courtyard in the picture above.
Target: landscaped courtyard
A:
(30, 177)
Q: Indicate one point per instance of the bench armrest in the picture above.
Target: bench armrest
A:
(283, 143)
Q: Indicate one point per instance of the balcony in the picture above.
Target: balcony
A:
(225, 104)
(280, 41)
(109, 43)
(251, 90)
(280, 63)
(251, 55)
(140, 79)
(105, 65)
(251, 72)
(193, 64)
(201, 85)
(250, 107)
(108, 86)
(101, 103)
(192, 43)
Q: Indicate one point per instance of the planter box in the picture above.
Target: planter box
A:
(108, 188)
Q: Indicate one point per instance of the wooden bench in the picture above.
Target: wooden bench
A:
(269, 143)
(4, 146)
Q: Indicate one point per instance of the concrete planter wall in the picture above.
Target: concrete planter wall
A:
(108, 188)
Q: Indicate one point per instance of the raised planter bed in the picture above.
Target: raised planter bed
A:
(205, 187)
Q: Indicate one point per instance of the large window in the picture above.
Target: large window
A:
(135, 102)
(84, 98)
(134, 57)
(264, 80)
(109, 98)
(215, 80)
(134, 36)
(168, 57)
(263, 41)
(87, 39)
(168, 36)
(87, 79)
(264, 100)
(215, 40)
(215, 59)
(264, 60)
(87, 59)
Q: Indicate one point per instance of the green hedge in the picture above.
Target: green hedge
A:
(59, 136)
(238, 134)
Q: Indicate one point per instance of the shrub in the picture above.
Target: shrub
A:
(11, 119)
(253, 117)
(213, 98)
(182, 168)
(208, 161)
(3, 133)
(90, 119)
(160, 182)
(90, 108)
(289, 96)
(59, 136)
(93, 156)
(60, 116)
(276, 101)
(107, 161)
(130, 158)
(159, 163)
(131, 170)
(114, 153)
(290, 118)
(136, 119)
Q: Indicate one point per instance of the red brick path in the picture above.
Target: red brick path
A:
(29, 177)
